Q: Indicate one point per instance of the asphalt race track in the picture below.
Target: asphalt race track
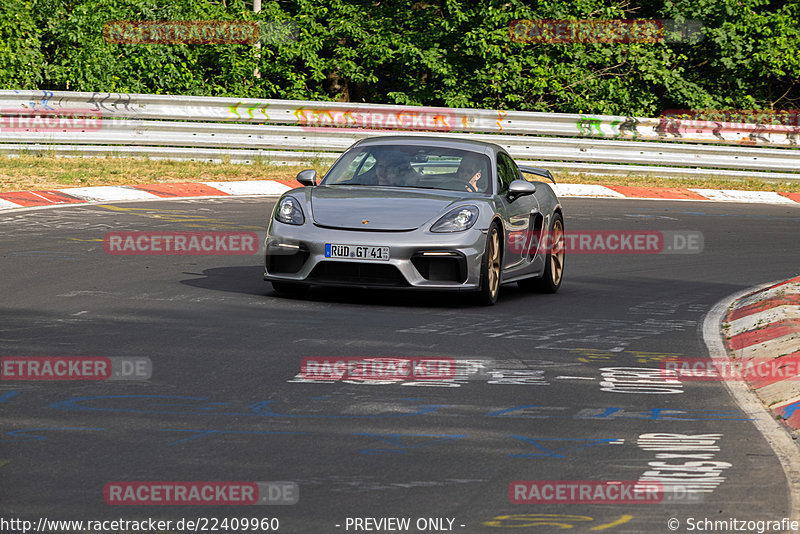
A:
(225, 402)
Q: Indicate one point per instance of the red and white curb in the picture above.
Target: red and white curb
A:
(81, 195)
(765, 325)
(676, 193)
(741, 307)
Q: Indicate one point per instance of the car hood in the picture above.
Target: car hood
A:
(383, 208)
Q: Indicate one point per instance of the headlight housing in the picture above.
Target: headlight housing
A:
(457, 220)
(289, 211)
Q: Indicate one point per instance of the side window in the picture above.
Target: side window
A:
(346, 169)
(507, 171)
(366, 164)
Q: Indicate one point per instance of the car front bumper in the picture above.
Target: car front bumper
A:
(417, 259)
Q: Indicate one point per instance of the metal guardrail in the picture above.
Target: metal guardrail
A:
(286, 131)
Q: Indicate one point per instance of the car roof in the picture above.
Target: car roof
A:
(429, 140)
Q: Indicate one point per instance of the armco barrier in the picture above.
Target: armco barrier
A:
(287, 131)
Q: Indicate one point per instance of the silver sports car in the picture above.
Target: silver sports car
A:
(419, 212)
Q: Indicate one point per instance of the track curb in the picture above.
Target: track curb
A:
(165, 191)
(764, 326)
(781, 439)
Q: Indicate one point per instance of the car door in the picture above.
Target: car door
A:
(517, 218)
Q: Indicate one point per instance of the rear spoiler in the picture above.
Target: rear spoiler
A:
(544, 173)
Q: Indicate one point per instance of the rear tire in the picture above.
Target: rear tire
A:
(290, 288)
(550, 280)
(490, 268)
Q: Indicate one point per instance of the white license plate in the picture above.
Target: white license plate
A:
(356, 252)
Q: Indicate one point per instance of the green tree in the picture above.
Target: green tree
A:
(432, 52)
(21, 59)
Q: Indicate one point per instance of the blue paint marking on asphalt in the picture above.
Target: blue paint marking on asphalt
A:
(204, 433)
(604, 414)
(661, 414)
(5, 397)
(789, 409)
(534, 411)
(258, 409)
(179, 405)
(397, 441)
(21, 433)
(561, 452)
(264, 408)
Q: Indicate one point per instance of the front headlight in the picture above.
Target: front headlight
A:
(457, 220)
(289, 211)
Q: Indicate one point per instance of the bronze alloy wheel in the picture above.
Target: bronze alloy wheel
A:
(557, 254)
(490, 268)
(550, 281)
(494, 262)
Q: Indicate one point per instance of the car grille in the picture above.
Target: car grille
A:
(349, 272)
(287, 263)
(441, 268)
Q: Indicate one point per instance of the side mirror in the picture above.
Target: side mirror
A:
(520, 188)
(307, 177)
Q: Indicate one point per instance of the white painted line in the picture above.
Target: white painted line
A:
(108, 193)
(252, 187)
(774, 433)
(785, 289)
(730, 195)
(583, 190)
(763, 319)
(36, 193)
(7, 205)
(574, 378)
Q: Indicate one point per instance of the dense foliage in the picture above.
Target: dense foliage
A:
(432, 52)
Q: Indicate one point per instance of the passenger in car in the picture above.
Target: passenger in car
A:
(395, 171)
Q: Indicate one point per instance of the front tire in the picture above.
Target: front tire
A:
(550, 280)
(490, 268)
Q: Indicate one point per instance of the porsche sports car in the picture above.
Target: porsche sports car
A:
(419, 212)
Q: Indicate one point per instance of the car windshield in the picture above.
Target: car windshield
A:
(412, 166)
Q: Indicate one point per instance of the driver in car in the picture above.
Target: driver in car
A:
(470, 171)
